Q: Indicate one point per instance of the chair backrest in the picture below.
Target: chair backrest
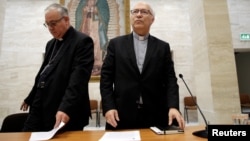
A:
(244, 99)
(14, 122)
(189, 101)
(93, 105)
(100, 106)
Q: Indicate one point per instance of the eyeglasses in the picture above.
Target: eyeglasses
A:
(53, 23)
(142, 11)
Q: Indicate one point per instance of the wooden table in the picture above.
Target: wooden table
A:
(146, 135)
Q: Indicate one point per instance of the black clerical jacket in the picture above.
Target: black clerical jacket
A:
(122, 83)
(63, 86)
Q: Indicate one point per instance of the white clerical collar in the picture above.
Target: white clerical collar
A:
(60, 39)
(140, 38)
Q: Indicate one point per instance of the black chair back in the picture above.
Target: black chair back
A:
(14, 122)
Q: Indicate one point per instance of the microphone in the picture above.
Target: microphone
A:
(200, 133)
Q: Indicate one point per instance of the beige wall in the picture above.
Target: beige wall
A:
(23, 40)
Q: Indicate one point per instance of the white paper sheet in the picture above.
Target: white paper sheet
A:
(121, 136)
(39, 136)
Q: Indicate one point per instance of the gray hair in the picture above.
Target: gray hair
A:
(151, 10)
(149, 6)
(61, 9)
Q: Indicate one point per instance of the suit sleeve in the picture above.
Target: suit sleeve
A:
(107, 79)
(171, 81)
(77, 90)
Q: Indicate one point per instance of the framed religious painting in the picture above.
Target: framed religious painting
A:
(101, 20)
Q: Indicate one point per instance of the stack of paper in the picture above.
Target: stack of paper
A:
(121, 136)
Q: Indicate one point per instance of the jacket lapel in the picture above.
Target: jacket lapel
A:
(62, 50)
(131, 52)
(149, 52)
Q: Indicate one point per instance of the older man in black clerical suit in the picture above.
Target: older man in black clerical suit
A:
(60, 92)
(138, 83)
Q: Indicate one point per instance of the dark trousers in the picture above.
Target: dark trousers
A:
(35, 120)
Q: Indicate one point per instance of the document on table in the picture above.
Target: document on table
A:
(167, 131)
(121, 136)
(38, 136)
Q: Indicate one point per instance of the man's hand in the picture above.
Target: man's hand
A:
(111, 117)
(24, 106)
(61, 117)
(174, 113)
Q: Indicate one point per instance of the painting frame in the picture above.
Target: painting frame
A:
(124, 23)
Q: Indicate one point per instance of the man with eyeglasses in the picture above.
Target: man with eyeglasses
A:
(60, 92)
(138, 83)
